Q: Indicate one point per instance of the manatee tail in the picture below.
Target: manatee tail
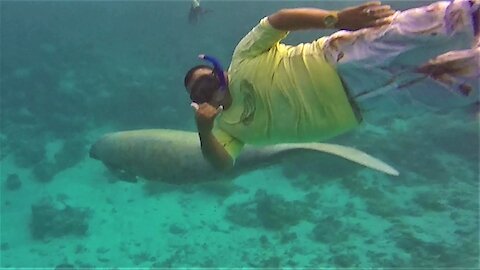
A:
(345, 152)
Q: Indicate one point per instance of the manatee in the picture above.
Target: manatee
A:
(175, 157)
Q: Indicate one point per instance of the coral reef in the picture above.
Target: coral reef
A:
(72, 152)
(430, 201)
(269, 211)
(13, 182)
(44, 171)
(29, 153)
(52, 219)
(65, 266)
(329, 230)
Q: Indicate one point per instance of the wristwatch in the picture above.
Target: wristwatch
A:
(331, 19)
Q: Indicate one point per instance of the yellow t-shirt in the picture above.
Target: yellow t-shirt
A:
(281, 93)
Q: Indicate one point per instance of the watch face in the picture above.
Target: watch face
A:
(330, 20)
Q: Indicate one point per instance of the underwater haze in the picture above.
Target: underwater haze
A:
(72, 71)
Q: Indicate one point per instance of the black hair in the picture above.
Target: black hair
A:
(203, 88)
(190, 72)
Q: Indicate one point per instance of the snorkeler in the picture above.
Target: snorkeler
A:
(314, 91)
(196, 11)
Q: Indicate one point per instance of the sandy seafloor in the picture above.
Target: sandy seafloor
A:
(71, 72)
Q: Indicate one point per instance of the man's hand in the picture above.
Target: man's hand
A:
(212, 150)
(371, 14)
(205, 116)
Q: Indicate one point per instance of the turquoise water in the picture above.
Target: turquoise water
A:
(72, 71)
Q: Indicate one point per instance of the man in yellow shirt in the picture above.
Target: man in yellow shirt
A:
(275, 93)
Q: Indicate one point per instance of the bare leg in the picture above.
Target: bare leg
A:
(454, 69)
(398, 56)
(391, 55)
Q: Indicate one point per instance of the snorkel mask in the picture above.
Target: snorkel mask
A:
(214, 87)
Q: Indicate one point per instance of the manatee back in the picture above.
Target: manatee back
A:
(166, 155)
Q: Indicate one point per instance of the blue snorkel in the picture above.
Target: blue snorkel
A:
(217, 70)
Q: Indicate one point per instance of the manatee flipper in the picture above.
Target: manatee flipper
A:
(345, 152)
(122, 175)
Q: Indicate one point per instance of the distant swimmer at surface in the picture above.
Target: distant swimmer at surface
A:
(196, 11)
(274, 93)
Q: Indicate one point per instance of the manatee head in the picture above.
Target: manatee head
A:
(100, 148)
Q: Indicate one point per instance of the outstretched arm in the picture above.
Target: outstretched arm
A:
(371, 14)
